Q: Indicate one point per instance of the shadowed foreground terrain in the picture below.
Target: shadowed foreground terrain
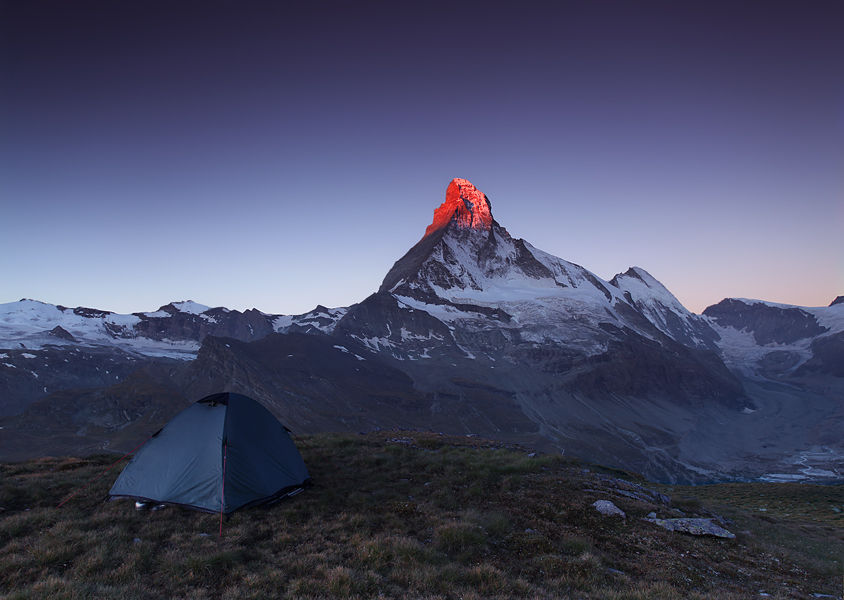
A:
(405, 514)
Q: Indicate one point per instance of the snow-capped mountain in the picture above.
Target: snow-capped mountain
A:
(46, 348)
(764, 339)
(616, 370)
(467, 264)
(33, 325)
(489, 297)
(472, 331)
(470, 274)
(174, 330)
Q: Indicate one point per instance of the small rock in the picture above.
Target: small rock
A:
(693, 527)
(532, 455)
(605, 507)
(652, 515)
(136, 541)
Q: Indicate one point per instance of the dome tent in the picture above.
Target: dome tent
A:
(220, 454)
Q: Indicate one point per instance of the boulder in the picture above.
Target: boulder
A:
(605, 507)
(692, 526)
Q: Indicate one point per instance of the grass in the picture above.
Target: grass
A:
(408, 514)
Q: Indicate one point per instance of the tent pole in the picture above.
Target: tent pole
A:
(223, 493)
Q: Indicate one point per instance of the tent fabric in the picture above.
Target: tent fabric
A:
(222, 453)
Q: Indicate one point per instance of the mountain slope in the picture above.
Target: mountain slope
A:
(489, 297)
(476, 332)
(617, 370)
(778, 340)
(46, 348)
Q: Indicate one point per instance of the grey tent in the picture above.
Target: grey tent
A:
(220, 454)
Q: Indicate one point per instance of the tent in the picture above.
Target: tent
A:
(220, 454)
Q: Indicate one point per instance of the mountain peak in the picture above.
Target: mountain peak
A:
(465, 205)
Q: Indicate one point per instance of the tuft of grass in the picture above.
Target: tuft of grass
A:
(461, 539)
(686, 503)
(406, 514)
(575, 546)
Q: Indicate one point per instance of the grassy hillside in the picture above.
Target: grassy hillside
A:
(406, 514)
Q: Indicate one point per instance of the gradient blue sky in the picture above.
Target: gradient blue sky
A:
(278, 155)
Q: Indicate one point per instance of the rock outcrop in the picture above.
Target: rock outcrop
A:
(693, 526)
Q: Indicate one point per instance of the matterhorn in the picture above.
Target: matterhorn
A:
(476, 332)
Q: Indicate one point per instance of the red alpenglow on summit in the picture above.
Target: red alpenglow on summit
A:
(466, 205)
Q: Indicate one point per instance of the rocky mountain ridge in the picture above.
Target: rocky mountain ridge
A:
(474, 331)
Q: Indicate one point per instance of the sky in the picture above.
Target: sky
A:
(280, 155)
